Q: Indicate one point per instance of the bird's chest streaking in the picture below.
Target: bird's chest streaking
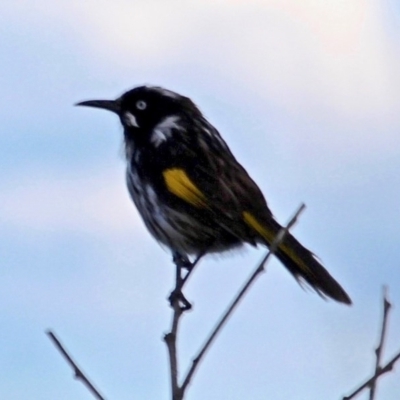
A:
(162, 184)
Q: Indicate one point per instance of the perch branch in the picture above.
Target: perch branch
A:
(170, 340)
(176, 298)
(260, 268)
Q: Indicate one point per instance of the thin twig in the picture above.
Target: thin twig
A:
(379, 349)
(260, 268)
(178, 310)
(387, 368)
(176, 298)
(170, 340)
(77, 371)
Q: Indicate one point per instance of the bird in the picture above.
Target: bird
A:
(194, 197)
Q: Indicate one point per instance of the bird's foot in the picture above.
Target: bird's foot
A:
(178, 298)
(182, 261)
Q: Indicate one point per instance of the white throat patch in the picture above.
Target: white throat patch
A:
(130, 120)
(163, 130)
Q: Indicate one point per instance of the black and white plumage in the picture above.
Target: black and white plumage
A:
(191, 192)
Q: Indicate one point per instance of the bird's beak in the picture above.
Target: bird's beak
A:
(110, 105)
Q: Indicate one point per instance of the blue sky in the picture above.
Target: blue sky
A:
(307, 94)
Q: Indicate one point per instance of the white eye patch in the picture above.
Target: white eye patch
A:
(141, 105)
(130, 120)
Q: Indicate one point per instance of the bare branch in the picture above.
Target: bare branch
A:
(260, 268)
(379, 371)
(77, 371)
(170, 340)
(387, 368)
(379, 349)
(176, 298)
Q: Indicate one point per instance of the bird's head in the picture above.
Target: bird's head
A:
(144, 109)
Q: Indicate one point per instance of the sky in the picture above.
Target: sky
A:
(307, 95)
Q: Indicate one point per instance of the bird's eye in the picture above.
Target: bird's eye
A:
(141, 105)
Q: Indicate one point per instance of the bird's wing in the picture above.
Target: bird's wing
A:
(212, 180)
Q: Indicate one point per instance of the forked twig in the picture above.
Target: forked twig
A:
(260, 268)
(78, 374)
(176, 298)
(379, 371)
(383, 370)
(170, 338)
(379, 349)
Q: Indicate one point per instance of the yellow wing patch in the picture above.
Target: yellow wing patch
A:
(253, 223)
(181, 186)
(269, 236)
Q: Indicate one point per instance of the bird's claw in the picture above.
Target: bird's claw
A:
(182, 261)
(177, 297)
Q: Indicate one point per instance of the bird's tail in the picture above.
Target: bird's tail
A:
(300, 262)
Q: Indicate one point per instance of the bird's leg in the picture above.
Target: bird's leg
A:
(191, 269)
(182, 262)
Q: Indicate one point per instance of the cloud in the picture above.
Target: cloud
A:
(330, 53)
(94, 203)
(334, 48)
(329, 68)
(330, 61)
